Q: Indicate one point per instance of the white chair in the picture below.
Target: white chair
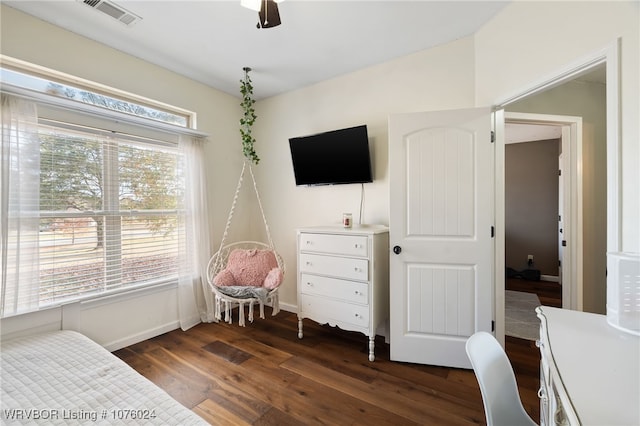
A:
(502, 404)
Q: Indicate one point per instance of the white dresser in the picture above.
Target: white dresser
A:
(589, 370)
(343, 278)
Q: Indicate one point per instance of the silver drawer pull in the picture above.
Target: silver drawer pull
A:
(310, 284)
(358, 315)
(357, 293)
(308, 263)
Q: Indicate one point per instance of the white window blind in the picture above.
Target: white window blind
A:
(111, 211)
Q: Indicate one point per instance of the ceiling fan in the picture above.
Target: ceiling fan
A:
(268, 14)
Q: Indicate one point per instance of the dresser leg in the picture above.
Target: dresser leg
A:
(299, 328)
(372, 345)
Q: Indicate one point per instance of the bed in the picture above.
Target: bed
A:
(63, 377)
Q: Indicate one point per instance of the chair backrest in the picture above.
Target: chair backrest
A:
(498, 386)
(218, 261)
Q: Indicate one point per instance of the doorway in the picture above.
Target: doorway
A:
(533, 205)
(569, 131)
(595, 235)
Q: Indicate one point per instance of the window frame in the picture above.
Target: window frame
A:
(65, 112)
(58, 77)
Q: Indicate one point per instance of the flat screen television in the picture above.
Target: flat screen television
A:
(332, 158)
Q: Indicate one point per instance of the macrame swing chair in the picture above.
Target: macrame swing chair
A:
(245, 272)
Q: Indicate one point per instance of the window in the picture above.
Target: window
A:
(92, 204)
(111, 212)
(91, 96)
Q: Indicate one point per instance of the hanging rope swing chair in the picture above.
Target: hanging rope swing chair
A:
(245, 272)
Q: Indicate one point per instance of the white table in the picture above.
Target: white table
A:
(590, 371)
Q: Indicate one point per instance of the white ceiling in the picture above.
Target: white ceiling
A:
(211, 41)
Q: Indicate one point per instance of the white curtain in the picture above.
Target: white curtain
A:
(195, 299)
(19, 206)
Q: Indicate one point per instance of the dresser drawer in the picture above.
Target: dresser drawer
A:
(340, 267)
(336, 310)
(350, 291)
(349, 245)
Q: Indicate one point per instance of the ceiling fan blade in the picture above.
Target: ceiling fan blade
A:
(269, 14)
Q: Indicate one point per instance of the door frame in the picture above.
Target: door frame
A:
(610, 57)
(571, 139)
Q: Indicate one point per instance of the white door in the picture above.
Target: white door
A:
(441, 226)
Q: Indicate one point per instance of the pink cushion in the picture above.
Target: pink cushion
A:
(253, 267)
(224, 278)
(273, 279)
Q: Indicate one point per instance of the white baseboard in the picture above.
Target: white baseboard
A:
(148, 334)
(289, 307)
(139, 337)
(550, 278)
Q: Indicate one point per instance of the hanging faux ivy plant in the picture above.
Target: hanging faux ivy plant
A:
(248, 118)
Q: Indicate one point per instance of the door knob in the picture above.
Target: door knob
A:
(397, 249)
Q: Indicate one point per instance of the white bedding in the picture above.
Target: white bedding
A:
(64, 377)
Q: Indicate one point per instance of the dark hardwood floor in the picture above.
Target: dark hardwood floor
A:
(549, 293)
(263, 374)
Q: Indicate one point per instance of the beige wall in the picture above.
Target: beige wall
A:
(439, 78)
(530, 41)
(531, 205)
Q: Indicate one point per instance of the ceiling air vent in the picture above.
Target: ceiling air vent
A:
(116, 12)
